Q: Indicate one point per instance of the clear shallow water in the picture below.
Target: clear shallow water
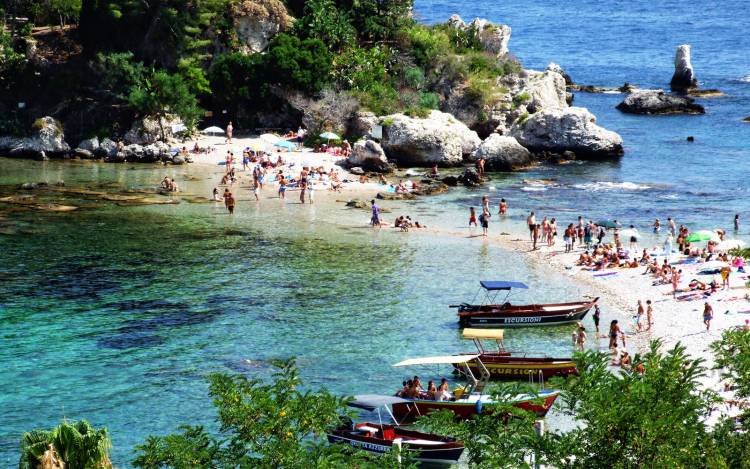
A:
(116, 314)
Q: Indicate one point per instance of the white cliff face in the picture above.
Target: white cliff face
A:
(438, 139)
(255, 33)
(493, 37)
(683, 78)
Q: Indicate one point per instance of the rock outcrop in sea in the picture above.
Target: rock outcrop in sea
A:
(502, 153)
(438, 139)
(683, 78)
(369, 155)
(493, 37)
(46, 140)
(659, 102)
(571, 129)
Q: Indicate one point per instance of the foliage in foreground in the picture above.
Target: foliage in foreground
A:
(262, 425)
(74, 444)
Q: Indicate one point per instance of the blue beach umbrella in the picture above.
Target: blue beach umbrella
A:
(285, 144)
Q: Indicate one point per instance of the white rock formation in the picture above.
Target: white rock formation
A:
(502, 153)
(683, 78)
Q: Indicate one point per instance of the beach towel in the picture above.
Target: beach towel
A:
(605, 274)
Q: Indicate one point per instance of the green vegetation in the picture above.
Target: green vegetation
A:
(262, 425)
(75, 444)
(127, 59)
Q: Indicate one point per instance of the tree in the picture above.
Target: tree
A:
(263, 425)
(303, 65)
(732, 353)
(162, 93)
(324, 21)
(76, 444)
(378, 20)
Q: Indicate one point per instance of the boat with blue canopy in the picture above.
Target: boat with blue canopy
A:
(493, 313)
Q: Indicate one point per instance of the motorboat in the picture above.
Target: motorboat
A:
(384, 438)
(505, 365)
(493, 314)
(469, 400)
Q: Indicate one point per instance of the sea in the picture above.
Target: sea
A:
(116, 314)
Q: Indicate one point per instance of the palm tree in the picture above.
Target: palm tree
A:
(70, 445)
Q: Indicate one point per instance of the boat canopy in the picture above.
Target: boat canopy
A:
(374, 401)
(472, 333)
(441, 360)
(491, 285)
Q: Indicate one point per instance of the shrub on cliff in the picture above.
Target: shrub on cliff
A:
(324, 21)
(162, 93)
(300, 64)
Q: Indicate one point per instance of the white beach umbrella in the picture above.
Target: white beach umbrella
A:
(213, 130)
(728, 244)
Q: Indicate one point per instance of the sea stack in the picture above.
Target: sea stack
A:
(683, 78)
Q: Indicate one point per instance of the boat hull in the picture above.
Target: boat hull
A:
(465, 409)
(521, 316)
(431, 449)
(508, 367)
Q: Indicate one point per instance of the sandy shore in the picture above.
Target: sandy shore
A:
(674, 320)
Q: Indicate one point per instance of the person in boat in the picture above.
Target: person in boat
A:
(404, 387)
(443, 391)
(417, 383)
(431, 390)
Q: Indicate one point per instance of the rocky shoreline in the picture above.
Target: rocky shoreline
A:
(529, 119)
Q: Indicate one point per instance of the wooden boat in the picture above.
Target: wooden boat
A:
(503, 364)
(468, 400)
(383, 438)
(492, 314)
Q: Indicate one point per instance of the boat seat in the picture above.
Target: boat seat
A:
(389, 434)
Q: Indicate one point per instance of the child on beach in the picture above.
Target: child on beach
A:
(503, 207)
(472, 216)
(484, 220)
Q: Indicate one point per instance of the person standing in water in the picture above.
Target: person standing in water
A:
(485, 204)
(375, 214)
(229, 202)
(672, 226)
(736, 222)
(536, 236)
(484, 220)
(472, 216)
(596, 317)
(503, 208)
(531, 222)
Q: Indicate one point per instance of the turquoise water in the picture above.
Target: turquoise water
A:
(116, 314)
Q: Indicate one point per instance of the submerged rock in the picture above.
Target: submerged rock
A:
(396, 196)
(659, 102)
(746, 119)
(430, 187)
(683, 78)
(502, 153)
(573, 129)
(357, 203)
(438, 139)
(470, 178)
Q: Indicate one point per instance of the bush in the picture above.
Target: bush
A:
(381, 99)
(427, 45)
(482, 90)
(117, 72)
(303, 65)
(414, 77)
(360, 69)
(429, 100)
(462, 40)
(324, 21)
(520, 99)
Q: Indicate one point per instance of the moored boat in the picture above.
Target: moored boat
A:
(382, 438)
(493, 314)
(504, 365)
(468, 400)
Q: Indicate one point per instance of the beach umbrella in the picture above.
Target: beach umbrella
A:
(728, 244)
(285, 144)
(609, 224)
(213, 130)
(702, 235)
(330, 136)
(270, 138)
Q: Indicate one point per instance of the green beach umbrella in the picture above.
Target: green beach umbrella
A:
(702, 235)
(609, 224)
(330, 136)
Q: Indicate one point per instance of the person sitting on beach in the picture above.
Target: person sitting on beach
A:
(224, 180)
(645, 257)
(634, 264)
(363, 179)
(382, 180)
(584, 259)
(216, 197)
(696, 284)
(625, 360)
(739, 264)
